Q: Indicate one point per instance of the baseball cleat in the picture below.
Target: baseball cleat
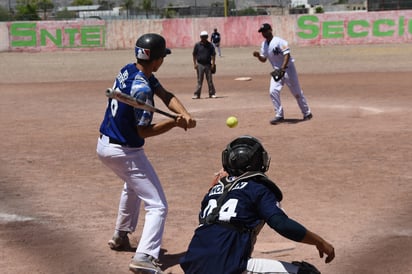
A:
(149, 265)
(195, 97)
(277, 120)
(307, 117)
(119, 243)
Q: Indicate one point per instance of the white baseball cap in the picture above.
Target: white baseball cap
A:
(204, 33)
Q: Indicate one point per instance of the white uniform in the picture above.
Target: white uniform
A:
(274, 52)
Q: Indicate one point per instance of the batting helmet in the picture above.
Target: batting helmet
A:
(151, 46)
(243, 154)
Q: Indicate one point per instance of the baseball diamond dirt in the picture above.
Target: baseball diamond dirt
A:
(345, 174)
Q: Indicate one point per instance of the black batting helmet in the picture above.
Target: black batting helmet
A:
(243, 154)
(151, 46)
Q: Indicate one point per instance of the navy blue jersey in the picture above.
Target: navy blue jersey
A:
(219, 248)
(121, 120)
(215, 38)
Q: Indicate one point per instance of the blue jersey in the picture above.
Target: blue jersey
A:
(225, 247)
(121, 120)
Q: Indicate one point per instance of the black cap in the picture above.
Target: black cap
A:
(265, 27)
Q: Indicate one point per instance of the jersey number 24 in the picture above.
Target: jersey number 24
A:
(227, 211)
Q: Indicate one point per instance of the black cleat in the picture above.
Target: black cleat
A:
(277, 120)
(307, 117)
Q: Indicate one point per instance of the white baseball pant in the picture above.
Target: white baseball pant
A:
(291, 80)
(141, 183)
(256, 265)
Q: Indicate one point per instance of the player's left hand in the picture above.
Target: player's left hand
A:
(185, 122)
(277, 74)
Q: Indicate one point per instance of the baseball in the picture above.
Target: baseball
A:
(231, 121)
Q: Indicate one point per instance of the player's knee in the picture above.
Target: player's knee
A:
(160, 209)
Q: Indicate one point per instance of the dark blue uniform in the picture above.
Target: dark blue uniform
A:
(225, 246)
(120, 119)
(215, 37)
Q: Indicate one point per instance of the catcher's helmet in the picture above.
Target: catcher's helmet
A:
(151, 46)
(243, 154)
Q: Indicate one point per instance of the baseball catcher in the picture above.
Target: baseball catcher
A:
(234, 211)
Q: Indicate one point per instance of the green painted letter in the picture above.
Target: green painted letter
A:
(310, 31)
(23, 34)
(57, 40)
(352, 25)
(91, 36)
(378, 32)
(332, 29)
(72, 38)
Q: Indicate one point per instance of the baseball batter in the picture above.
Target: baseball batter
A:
(234, 211)
(277, 51)
(120, 147)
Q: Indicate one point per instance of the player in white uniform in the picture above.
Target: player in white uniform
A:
(120, 147)
(277, 51)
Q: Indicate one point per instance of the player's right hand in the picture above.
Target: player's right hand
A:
(326, 248)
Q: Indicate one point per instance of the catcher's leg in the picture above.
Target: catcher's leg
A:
(256, 265)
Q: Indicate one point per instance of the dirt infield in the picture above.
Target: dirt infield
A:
(345, 174)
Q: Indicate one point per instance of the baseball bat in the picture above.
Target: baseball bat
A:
(136, 103)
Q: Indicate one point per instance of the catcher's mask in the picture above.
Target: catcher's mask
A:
(243, 154)
(151, 46)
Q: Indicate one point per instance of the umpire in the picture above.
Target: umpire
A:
(204, 63)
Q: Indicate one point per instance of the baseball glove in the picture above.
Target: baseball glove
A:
(213, 69)
(277, 74)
